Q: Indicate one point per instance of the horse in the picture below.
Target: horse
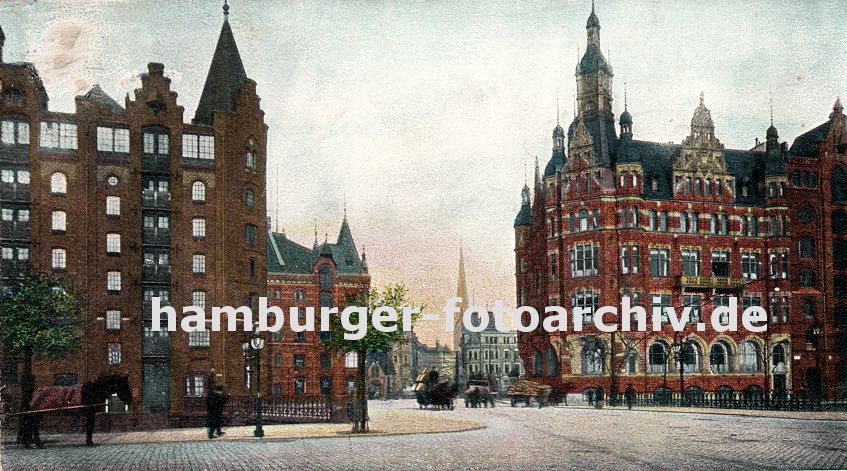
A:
(87, 399)
(477, 395)
(429, 391)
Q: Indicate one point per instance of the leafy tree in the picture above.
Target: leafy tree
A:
(38, 319)
(395, 296)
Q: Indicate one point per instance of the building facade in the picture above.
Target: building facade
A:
(686, 225)
(440, 357)
(325, 275)
(490, 354)
(131, 201)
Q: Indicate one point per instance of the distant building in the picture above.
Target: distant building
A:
(323, 275)
(440, 357)
(490, 354)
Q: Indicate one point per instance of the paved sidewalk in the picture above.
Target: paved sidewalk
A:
(382, 423)
(777, 414)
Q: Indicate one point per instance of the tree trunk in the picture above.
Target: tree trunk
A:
(360, 425)
(27, 391)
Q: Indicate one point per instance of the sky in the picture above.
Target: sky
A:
(425, 117)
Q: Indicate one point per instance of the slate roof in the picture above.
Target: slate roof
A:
(226, 77)
(557, 160)
(524, 217)
(592, 61)
(288, 257)
(808, 143)
(97, 95)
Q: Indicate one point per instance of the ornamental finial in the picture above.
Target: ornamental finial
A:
(226, 10)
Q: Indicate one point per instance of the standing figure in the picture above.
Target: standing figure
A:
(215, 402)
(630, 396)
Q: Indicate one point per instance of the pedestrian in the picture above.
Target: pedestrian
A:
(590, 397)
(630, 396)
(215, 402)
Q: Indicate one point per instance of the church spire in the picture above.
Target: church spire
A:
(461, 292)
(225, 78)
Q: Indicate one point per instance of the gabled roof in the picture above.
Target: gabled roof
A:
(288, 257)
(603, 137)
(97, 95)
(808, 143)
(226, 77)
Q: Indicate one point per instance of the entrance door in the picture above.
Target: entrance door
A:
(157, 387)
(779, 386)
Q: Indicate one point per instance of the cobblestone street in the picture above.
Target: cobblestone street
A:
(515, 438)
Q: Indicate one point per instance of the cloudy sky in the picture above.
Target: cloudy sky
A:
(424, 115)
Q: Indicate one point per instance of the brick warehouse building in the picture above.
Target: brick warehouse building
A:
(131, 202)
(688, 224)
(324, 275)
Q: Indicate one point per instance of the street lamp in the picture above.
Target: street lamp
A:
(254, 348)
(677, 346)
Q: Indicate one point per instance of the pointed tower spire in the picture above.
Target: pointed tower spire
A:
(461, 292)
(225, 78)
(2, 42)
(537, 173)
(364, 260)
(315, 245)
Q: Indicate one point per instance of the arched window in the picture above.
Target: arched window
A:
(778, 356)
(687, 187)
(690, 356)
(694, 395)
(198, 192)
(583, 220)
(744, 226)
(654, 184)
(634, 179)
(753, 393)
(698, 185)
(592, 357)
(58, 183)
(719, 358)
(708, 188)
(839, 185)
(750, 357)
(552, 362)
(724, 394)
(658, 358)
(652, 220)
(839, 222)
(326, 278)
(683, 222)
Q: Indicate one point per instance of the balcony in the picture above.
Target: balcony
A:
(711, 282)
(14, 192)
(156, 236)
(155, 199)
(156, 274)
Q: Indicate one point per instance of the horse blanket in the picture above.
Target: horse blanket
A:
(54, 397)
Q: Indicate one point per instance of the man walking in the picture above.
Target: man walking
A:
(630, 396)
(215, 402)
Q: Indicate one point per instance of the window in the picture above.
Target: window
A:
(113, 243)
(659, 262)
(694, 302)
(326, 385)
(584, 260)
(720, 263)
(586, 300)
(299, 295)
(112, 180)
(58, 183)
(593, 355)
(750, 265)
(14, 132)
(778, 355)
(723, 228)
(198, 147)
(754, 227)
(689, 356)
(248, 198)
(660, 302)
(695, 224)
(198, 228)
(156, 142)
(658, 358)
(629, 259)
(112, 139)
(807, 279)
(326, 361)
(198, 299)
(198, 192)
(807, 247)
(652, 220)
(114, 353)
(583, 220)
(195, 385)
(299, 361)
(718, 358)
(113, 206)
(299, 386)
(58, 135)
(683, 222)
(713, 228)
(750, 357)
(113, 319)
(779, 264)
(779, 308)
(663, 221)
(198, 264)
(690, 262)
(59, 259)
(199, 339)
(250, 160)
(721, 301)
(113, 281)
(351, 360)
(59, 221)
(250, 235)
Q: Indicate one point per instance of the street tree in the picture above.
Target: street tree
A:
(39, 319)
(395, 296)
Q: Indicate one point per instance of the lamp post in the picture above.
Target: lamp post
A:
(678, 344)
(254, 347)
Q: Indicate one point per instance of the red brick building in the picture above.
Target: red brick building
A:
(324, 275)
(686, 224)
(130, 201)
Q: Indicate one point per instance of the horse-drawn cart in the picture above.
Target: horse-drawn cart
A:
(525, 390)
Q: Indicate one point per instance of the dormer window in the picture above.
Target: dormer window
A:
(13, 97)
(654, 184)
